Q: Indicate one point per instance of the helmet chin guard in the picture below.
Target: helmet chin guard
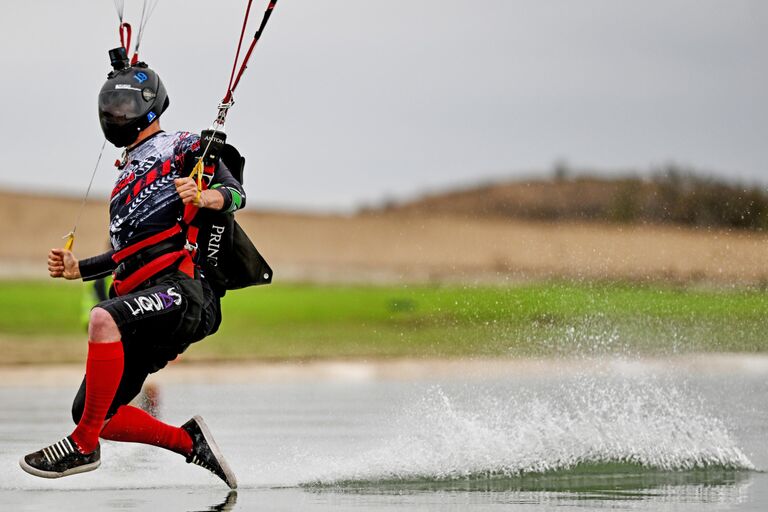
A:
(130, 100)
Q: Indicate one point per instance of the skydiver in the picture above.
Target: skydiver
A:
(160, 301)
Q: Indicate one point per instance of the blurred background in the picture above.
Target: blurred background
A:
(428, 171)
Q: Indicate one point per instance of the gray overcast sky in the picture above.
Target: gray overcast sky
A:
(350, 101)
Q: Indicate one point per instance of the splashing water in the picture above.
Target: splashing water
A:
(577, 426)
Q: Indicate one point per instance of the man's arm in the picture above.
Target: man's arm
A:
(209, 198)
(62, 263)
(229, 187)
(97, 266)
(225, 193)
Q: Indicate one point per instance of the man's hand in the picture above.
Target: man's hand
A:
(62, 263)
(187, 189)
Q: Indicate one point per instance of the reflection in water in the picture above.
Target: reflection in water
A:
(643, 491)
(578, 480)
(228, 504)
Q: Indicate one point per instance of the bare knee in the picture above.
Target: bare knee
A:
(102, 327)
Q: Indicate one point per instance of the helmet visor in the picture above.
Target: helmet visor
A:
(121, 106)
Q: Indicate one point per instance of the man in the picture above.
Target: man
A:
(160, 301)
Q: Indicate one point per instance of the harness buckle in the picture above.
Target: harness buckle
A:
(189, 246)
(221, 116)
(225, 105)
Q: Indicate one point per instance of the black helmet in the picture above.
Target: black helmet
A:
(130, 99)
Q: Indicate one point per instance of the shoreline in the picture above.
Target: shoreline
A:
(405, 369)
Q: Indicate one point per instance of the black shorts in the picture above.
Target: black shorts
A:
(156, 325)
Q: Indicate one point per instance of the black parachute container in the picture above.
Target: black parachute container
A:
(227, 257)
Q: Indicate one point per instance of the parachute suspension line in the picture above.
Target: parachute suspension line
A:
(124, 29)
(70, 237)
(120, 7)
(146, 13)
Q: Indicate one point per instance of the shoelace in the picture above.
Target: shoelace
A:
(58, 451)
(202, 464)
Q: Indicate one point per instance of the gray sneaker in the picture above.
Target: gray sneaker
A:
(206, 453)
(60, 459)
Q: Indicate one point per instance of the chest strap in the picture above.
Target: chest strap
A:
(132, 249)
(178, 259)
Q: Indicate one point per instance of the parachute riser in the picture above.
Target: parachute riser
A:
(214, 139)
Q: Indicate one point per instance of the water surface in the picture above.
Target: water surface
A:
(625, 437)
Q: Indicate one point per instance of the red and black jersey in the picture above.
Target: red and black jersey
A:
(144, 201)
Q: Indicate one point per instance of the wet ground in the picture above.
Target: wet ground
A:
(610, 435)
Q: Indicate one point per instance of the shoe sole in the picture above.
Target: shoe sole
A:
(231, 481)
(53, 474)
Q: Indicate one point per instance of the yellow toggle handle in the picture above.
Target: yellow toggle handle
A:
(70, 237)
(198, 170)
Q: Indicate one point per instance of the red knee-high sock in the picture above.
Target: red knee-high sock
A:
(132, 425)
(103, 371)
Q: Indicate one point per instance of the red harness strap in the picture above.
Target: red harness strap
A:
(182, 258)
(143, 244)
(190, 211)
(235, 79)
(191, 246)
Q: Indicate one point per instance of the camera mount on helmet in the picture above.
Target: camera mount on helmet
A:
(118, 57)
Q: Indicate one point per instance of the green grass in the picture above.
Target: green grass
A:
(41, 321)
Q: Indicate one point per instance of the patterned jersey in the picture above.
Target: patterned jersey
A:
(144, 200)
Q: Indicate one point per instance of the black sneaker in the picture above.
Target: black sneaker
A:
(206, 453)
(60, 459)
